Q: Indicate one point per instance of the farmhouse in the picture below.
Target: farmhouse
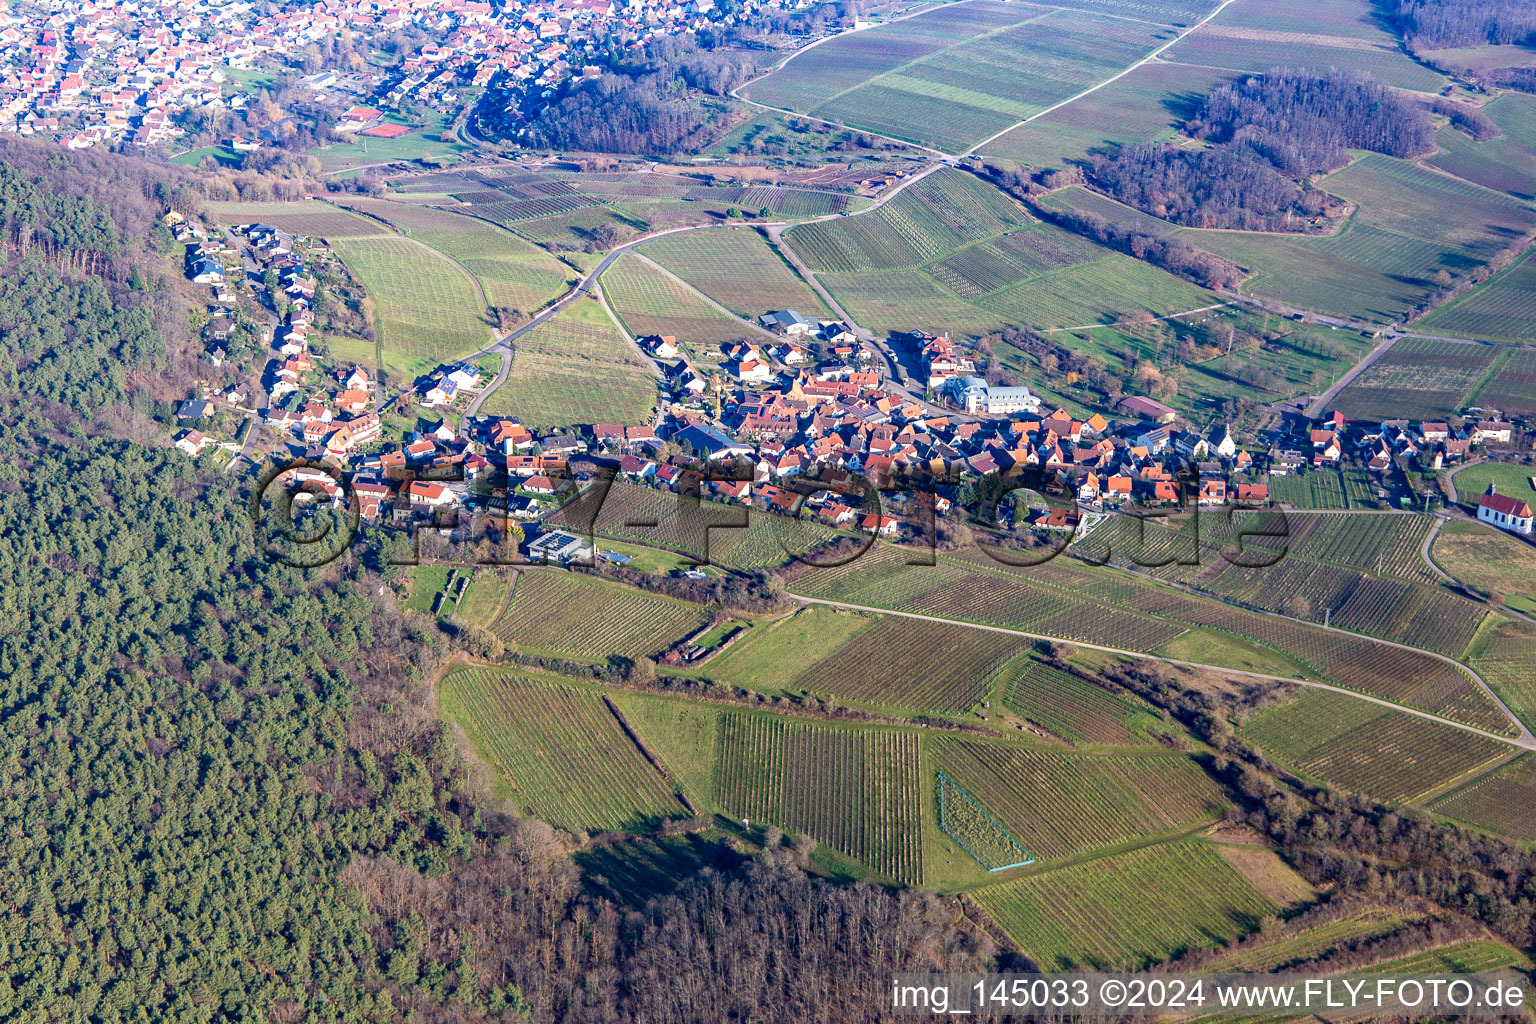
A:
(1505, 512)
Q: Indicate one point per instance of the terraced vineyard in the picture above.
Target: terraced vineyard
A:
(584, 618)
(1058, 804)
(1072, 708)
(1503, 801)
(914, 664)
(1127, 910)
(857, 790)
(1387, 755)
(558, 749)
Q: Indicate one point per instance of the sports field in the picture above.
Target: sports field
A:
(575, 367)
(428, 309)
(954, 75)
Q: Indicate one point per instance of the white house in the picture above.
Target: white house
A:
(1505, 512)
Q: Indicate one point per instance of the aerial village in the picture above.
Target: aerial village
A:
(116, 73)
(813, 406)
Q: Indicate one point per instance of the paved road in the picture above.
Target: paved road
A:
(253, 432)
(1321, 403)
(1526, 741)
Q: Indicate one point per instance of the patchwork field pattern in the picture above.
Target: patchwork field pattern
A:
(953, 76)
(582, 617)
(428, 309)
(559, 749)
(1417, 379)
(1507, 162)
(738, 269)
(1127, 910)
(1386, 755)
(649, 302)
(575, 367)
(1059, 804)
(857, 790)
(1503, 801)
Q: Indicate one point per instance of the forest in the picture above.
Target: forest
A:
(1269, 134)
(1439, 24)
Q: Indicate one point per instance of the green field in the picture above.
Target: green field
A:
(424, 144)
(585, 618)
(955, 75)
(1128, 910)
(855, 789)
(1496, 310)
(1506, 658)
(781, 653)
(1506, 162)
(738, 269)
(1503, 801)
(1511, 478)
(1072, 708)
(649, 302)
(428, 309)
(684, 735)
(1348, 743)
(514, 273)
(1146, 105)
(313, 218)
(1061, 804)
(575, 368)
(1490, 560)
(557, 750)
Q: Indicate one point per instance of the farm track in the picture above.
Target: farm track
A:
(1526, 740)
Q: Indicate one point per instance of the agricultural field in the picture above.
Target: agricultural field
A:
(737, 268)
(951, 77)
(1351, 744)
(928, 219)
(1506, 658)
(514, 273)
(649, 302)
(1064, 803)
(584, 618)
(684, 735)
(910, 663)
(1506, 162)
(855, 789)
(1496, 310)
(1127, 910)
(1511, 388)
(428, 309)
(573, 368)
(1503, 801)
(1313, 34)
(781, 653)
(1490, 560)
(1417, 379)
(972, 826)
(1072, 708)
(558, 750)
(1146, 105)
(311, 217)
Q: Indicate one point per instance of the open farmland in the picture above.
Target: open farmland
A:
(1496, 310)
(513, 273)
(910, 663)
(575, 367)
(559, 749)
(855, 789)
(1386, 755)
(1146, 105)
(1512, 386)
(955, 75)
(313, 218)
(1417, 379)
(428, 309)
(1506, 162)
(1490, 560)
(1127, 910)
(1503, 801)
(580, 617)
(1507, 659)
(1072, 708)
(1059, 804)
(780, 654)
(738, 269)
(649, 302)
